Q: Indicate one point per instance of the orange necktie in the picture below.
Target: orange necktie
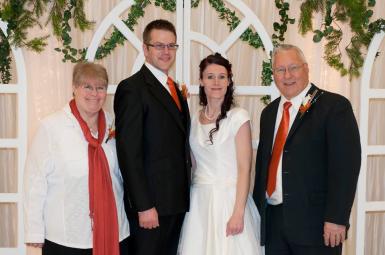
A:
(280, 140)
(174, 95)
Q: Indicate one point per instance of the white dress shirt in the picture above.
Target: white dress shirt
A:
(159, 75)
(56, 197)
(277, 198)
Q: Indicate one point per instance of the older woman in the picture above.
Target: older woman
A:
(73, 191)
(223, 219)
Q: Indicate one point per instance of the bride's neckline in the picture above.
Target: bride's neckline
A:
(202, 120)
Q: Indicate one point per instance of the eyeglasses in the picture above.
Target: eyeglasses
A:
(292, 69)
(89, 88)
(220, 77)
(161, 46)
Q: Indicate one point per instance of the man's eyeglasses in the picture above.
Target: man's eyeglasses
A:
(89, 88)
(161, 46)
(293, 69)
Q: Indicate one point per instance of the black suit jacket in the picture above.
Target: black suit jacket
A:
(320, 166)
(152, 145)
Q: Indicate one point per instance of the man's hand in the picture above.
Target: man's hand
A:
(148, 219)
(334, 234)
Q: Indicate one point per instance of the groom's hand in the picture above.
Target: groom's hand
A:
(148, 219)
(334, 234)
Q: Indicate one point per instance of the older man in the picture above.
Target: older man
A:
(308, 161)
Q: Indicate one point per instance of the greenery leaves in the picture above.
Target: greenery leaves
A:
(60, 21)
(5, 59)
(22, 15)
(281, 28)
(335, 13)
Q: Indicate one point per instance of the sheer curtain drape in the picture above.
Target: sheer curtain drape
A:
(49, 88)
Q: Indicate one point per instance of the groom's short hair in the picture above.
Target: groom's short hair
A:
(159, 24)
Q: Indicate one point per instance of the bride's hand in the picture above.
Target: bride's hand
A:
(234, 225)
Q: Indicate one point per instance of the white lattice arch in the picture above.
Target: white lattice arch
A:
(19, 143)
(250, 19)
(367, 93)
(183, 28)
(183, 12)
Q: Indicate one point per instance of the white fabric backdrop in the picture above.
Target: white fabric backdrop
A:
(49, 88)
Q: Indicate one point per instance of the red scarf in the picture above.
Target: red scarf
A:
(103, 211)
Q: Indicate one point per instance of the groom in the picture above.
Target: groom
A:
(152, 126)
(307, 165)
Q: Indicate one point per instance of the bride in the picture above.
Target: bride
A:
(223, 218)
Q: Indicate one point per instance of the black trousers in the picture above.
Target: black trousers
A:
(51, 248)
(162, 240)
(277, 242)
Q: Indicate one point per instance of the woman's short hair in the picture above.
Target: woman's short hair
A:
(88, 70)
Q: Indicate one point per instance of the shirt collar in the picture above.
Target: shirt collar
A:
(297, 100)
(159, 75)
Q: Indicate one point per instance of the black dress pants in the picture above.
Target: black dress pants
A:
(277, 242)
(51, 248)
(162, 240)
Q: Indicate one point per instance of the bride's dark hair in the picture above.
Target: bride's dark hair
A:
(228, 101)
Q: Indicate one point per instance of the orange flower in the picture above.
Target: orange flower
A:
(111, 131)
(306, 102)
(309, 100)
(184, 91)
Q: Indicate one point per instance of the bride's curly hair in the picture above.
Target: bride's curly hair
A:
(228, 101)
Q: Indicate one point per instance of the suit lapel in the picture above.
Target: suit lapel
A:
(299, 117)
(185, 110)
(270, 125)
(163, 96)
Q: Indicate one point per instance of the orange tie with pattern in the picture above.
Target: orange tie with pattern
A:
(174, 95)
(280, 140)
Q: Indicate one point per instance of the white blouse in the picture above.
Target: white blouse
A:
(56, 197)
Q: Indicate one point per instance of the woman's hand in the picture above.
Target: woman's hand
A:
(235, 225)
(36, 245)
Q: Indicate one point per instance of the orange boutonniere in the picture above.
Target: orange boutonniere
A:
(308, 101)
(111, 132)
(184, 91)
(305, 104)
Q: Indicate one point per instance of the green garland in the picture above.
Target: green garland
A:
(5, 62)
(19, 21)
(22, 15)
(62, 29)
(357, 14)
(267, 70)
(62, 12)
(283, 8)
(137, 11)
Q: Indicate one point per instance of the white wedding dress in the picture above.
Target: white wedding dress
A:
(213, 193)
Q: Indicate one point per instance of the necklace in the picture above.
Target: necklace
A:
(214, 116)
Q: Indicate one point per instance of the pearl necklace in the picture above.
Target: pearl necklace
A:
(214, 116)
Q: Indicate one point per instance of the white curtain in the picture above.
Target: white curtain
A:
(49, 88)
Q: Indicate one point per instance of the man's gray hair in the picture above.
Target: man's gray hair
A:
(286, 47)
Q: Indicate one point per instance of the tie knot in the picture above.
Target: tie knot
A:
(170, 82)
(286, 105)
